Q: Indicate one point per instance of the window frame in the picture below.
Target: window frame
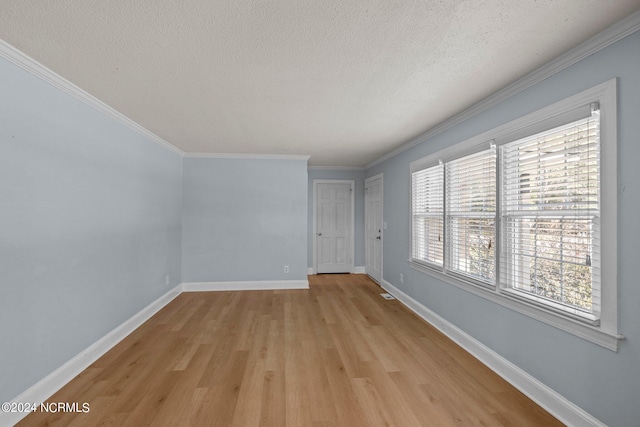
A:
(541, 215)
(603, 331)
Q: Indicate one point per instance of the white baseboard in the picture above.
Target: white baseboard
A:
(46, 387)
(261, 285)
(53, 382)
(550, 400)
(358, 269)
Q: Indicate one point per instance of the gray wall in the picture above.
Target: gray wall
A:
(89, 226)
(358, 177)
(244, 220)
(604, 383)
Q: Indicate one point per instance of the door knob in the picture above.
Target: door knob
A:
(319, 234)
(379, 238)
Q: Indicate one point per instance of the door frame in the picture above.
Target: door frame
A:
(366, 182)
(352, 183)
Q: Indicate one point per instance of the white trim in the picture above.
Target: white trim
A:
(352, 242)
(616, 32)
(564, 323)
(609, 205)
(336, 168)
(258, 285)
(245, 156)
(310, 271)
(32, 66)
(46, 387)
(605, 93)
(553, 402)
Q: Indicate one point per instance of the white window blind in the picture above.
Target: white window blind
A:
(428, 215)
(471, 216)
(551, 217)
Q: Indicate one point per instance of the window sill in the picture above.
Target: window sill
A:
(590, 332)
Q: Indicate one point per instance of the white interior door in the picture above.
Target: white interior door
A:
(373, 227)
(334, 227)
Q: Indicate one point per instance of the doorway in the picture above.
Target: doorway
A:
(333, 226)
(373, 209)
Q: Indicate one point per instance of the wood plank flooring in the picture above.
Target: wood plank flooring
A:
(337, 354)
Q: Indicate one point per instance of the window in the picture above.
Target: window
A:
(525, 215)
(550, 216)
(471, 216)
(428, 210)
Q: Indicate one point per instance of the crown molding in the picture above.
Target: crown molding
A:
(335, 168)
(32, 66)
(607, 37)
(616, 32)
(246, 156)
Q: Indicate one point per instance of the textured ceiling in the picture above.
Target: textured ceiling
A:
(342, 81)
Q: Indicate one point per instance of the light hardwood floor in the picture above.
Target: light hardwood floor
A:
(335, 355)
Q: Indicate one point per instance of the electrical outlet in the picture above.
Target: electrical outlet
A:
(286, 269)
(167, 279)
(401, 278)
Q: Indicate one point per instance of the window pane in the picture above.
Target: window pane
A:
(553, 171)
(473, 247)
(550, 258)
(428, 239)
(427, 187)
(471, 210)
